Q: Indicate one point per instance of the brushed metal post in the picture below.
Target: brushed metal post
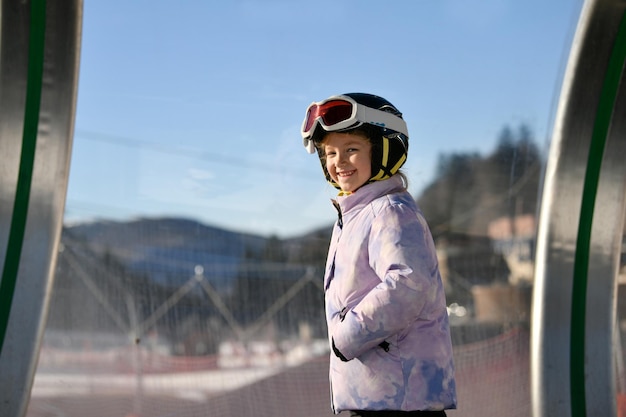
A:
(39, 56)
(581, 225)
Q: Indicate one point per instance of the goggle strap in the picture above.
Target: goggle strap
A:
(381, 119)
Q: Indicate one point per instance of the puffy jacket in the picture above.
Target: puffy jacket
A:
(385, 306)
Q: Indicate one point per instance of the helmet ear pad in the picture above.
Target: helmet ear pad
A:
(389, 153)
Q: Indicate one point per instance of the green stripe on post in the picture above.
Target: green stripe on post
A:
(590, 189)
(27, 159)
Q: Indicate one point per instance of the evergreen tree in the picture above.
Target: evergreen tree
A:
(470, 191)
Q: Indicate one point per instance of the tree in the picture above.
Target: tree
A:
(449, 197)
(470, 191)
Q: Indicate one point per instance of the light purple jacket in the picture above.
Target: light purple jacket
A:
(382, 285)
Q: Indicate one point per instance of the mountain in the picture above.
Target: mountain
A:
(185, 280)
(168, 250)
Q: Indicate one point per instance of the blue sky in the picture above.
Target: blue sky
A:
(193, 108)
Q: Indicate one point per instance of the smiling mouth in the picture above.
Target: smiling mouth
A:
(345, 173)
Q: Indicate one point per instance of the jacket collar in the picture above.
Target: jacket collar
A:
(369, 192)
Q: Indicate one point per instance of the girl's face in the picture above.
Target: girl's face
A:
(348, 159)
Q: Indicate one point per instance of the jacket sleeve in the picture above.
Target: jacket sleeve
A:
(402, 254)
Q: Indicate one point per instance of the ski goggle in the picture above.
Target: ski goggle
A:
(342, 112)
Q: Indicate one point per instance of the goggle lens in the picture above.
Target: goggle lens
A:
(331, 112)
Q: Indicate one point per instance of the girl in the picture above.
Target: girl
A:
(385, 304)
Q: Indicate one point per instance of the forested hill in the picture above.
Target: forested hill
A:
(470, 189)
(107, 267)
